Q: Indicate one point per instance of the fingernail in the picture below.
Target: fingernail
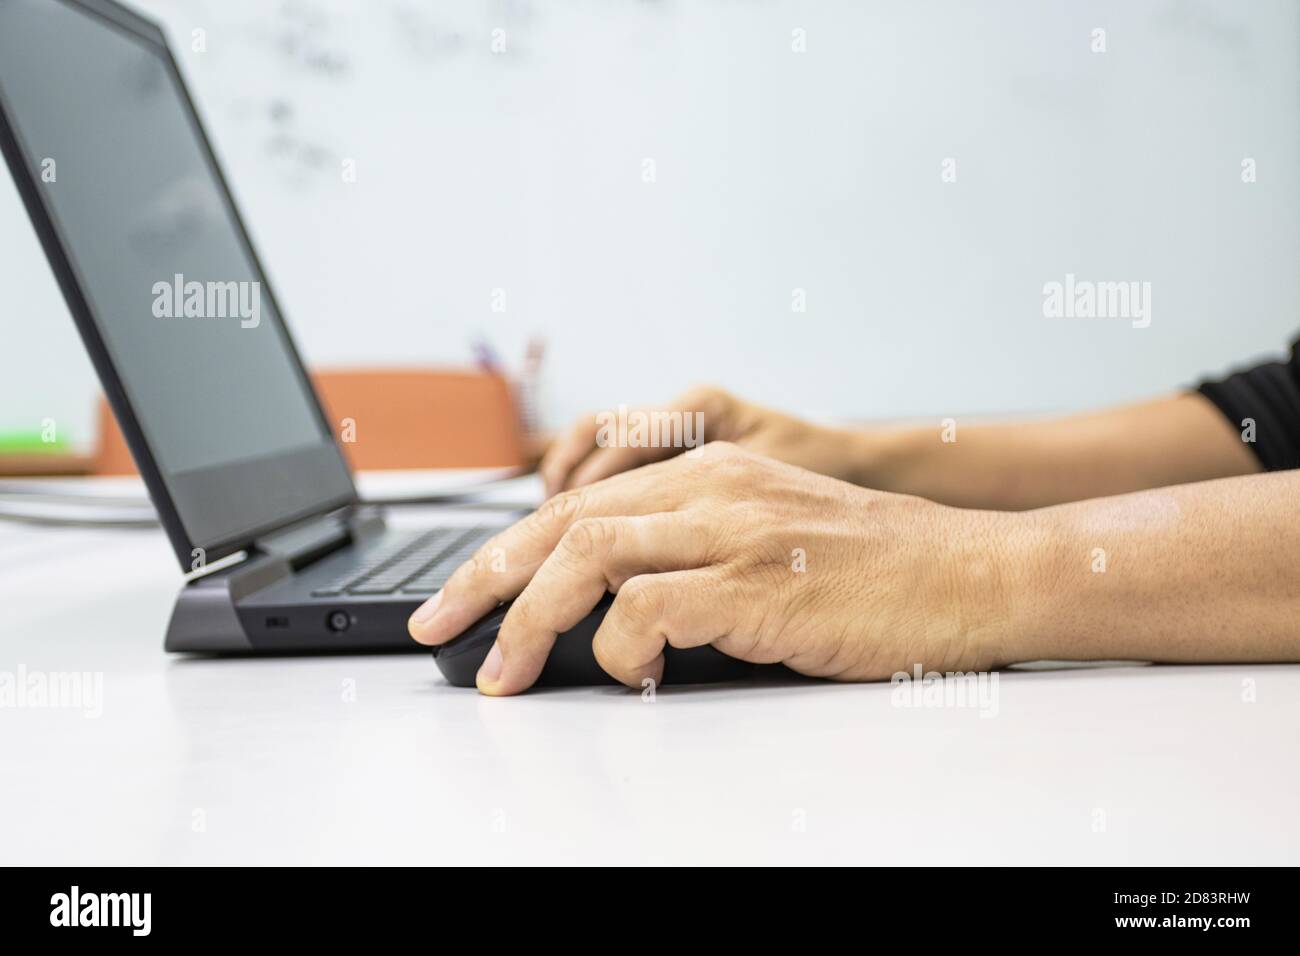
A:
(427, 610)
(491, 669)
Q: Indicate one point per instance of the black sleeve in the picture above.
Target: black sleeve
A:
(1270, 395)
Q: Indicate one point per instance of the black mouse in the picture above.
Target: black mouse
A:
(572, 663)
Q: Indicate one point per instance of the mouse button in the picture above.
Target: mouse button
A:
(482, 631)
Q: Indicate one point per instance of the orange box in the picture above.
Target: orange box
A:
(393, 418)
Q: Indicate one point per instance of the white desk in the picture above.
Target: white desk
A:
(278, 767)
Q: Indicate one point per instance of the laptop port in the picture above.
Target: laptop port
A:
(338, 621)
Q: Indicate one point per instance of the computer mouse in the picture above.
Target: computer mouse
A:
(572, 663)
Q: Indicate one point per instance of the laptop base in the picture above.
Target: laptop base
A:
(221, 614)
(343, 582)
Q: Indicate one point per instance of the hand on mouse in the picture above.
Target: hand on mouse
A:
(765, 561)
(577, 458)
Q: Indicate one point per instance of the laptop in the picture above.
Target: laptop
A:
(192, 350)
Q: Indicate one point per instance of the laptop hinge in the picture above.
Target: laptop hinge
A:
(305, 541)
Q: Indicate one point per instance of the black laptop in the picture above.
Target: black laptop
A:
(179, 319)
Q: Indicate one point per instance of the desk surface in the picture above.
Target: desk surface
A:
(374, 759)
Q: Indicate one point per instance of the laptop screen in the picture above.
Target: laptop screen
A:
(159, 256)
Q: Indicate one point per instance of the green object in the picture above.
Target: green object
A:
(30, 441)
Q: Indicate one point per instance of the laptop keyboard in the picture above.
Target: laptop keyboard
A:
(420, 566)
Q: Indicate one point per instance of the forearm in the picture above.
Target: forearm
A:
(1197, 573)
(1017, 466)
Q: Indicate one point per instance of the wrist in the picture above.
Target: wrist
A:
(876, 457)
(1032, 585)
(1006, 563)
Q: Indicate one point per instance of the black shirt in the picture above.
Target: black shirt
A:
(1270, 395)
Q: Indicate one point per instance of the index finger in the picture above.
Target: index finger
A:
(502, 567)
(594, 556)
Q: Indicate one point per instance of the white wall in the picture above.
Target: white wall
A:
(775, 170)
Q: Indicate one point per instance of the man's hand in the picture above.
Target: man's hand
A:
(575, 459)
(1011, 466)
(765, 561)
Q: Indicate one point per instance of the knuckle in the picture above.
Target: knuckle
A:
(583, 427)
(587, 538)
(562, 509)
(709, 399)
(642, 604)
